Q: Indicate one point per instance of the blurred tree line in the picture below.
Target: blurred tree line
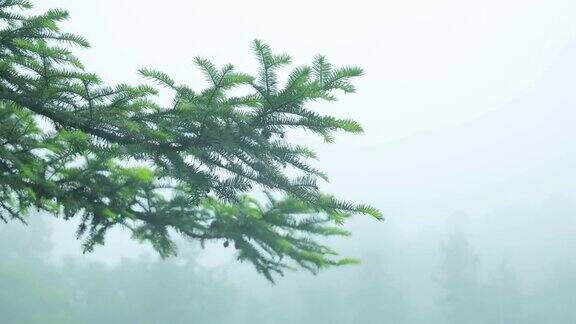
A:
(35, 289)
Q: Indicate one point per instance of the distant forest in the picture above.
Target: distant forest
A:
(446, 283)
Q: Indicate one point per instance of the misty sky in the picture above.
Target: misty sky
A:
(430, 65)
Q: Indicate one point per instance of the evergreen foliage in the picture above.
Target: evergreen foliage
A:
(112, 156)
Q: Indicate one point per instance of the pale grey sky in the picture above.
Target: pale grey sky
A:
(428, 64)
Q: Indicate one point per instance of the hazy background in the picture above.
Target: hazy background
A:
(468, 150)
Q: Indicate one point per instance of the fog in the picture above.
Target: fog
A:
(468, 150)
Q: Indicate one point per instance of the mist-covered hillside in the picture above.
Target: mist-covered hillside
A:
(523, 149)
